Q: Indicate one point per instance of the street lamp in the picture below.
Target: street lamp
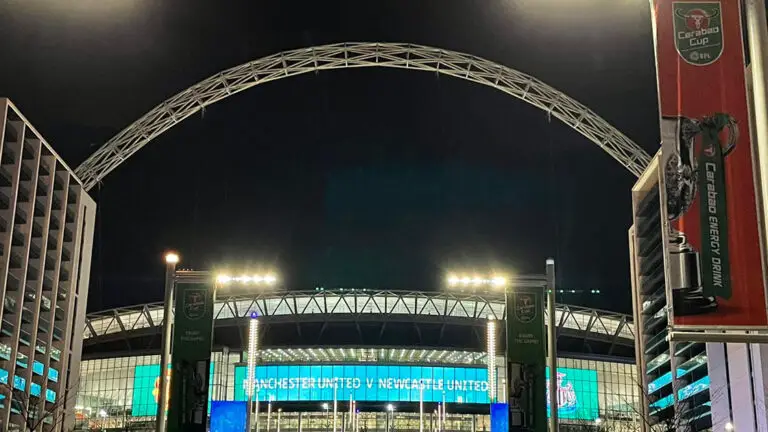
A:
(552, 344)
(171, 259)
(390, 412)
(729, 426)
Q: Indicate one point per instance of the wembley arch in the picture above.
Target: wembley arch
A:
(359, 55)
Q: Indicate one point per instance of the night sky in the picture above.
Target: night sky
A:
(352, 178)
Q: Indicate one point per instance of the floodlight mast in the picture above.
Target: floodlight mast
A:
(472, 282)
(171, 259)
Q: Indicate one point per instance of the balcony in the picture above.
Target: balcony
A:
(7, 328)
(58, 334)
(43, 325)
(5, 351)
(55, 354)
(24, 337)
(45, 303)
(9, 304)
(22, 360)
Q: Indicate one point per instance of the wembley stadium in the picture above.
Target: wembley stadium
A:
(378, 342)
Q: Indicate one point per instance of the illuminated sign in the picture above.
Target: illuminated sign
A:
(576, 394)
(146, 389)
(366, 383)
(499, 417)
(228, 416)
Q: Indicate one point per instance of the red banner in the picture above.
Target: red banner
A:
(715, 276)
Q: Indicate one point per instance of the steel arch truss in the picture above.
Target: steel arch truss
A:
(361, 305)
(356, 55)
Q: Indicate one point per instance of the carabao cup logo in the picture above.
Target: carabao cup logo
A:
(698, 31)
(525, 307)
(194, 303)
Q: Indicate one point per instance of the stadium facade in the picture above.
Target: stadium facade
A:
(46, 237)
(377, 344)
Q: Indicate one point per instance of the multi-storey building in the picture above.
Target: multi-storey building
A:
(665, 368)
(46, 236)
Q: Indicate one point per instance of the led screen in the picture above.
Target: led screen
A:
(499, 417)
(576, 394)
(228, 416)
(146, 389)
(366, 383)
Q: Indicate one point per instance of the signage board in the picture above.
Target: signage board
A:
(228, 416)
(191, 358)
(712, 244)
(146, 389)
(499, 417)
(577, 397)
(365, 383)
(525, 326)
(526, 350)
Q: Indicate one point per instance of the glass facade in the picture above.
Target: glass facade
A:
(121, 394)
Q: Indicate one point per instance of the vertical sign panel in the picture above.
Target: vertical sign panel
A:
(499, 417)
(526, 347)
(191, 358)
(714, 275)
(228, 416)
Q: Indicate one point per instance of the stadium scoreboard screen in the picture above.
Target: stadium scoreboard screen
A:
(366, 383)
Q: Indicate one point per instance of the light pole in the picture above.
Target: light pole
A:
(390, 412)
(552, 344)
(171, 259)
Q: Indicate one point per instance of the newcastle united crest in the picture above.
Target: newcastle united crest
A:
(194, 303)
(525, 307)
(698, 30)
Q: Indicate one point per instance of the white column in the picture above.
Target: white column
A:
(335, 403)
(421, 408)
(739, 374)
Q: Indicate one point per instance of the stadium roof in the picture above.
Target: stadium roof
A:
(362, 305)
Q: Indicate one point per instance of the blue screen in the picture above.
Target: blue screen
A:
(228, 416)
(499, 417)
(365, 383)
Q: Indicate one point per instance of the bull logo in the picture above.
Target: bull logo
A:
(194, 303)
(697, 19)
(698, 31)
(525, 307)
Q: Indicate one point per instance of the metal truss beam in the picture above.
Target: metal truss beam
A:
(358, 55)
(361, 306)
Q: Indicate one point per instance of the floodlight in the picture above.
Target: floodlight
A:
(474, 281)
(171, 258)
